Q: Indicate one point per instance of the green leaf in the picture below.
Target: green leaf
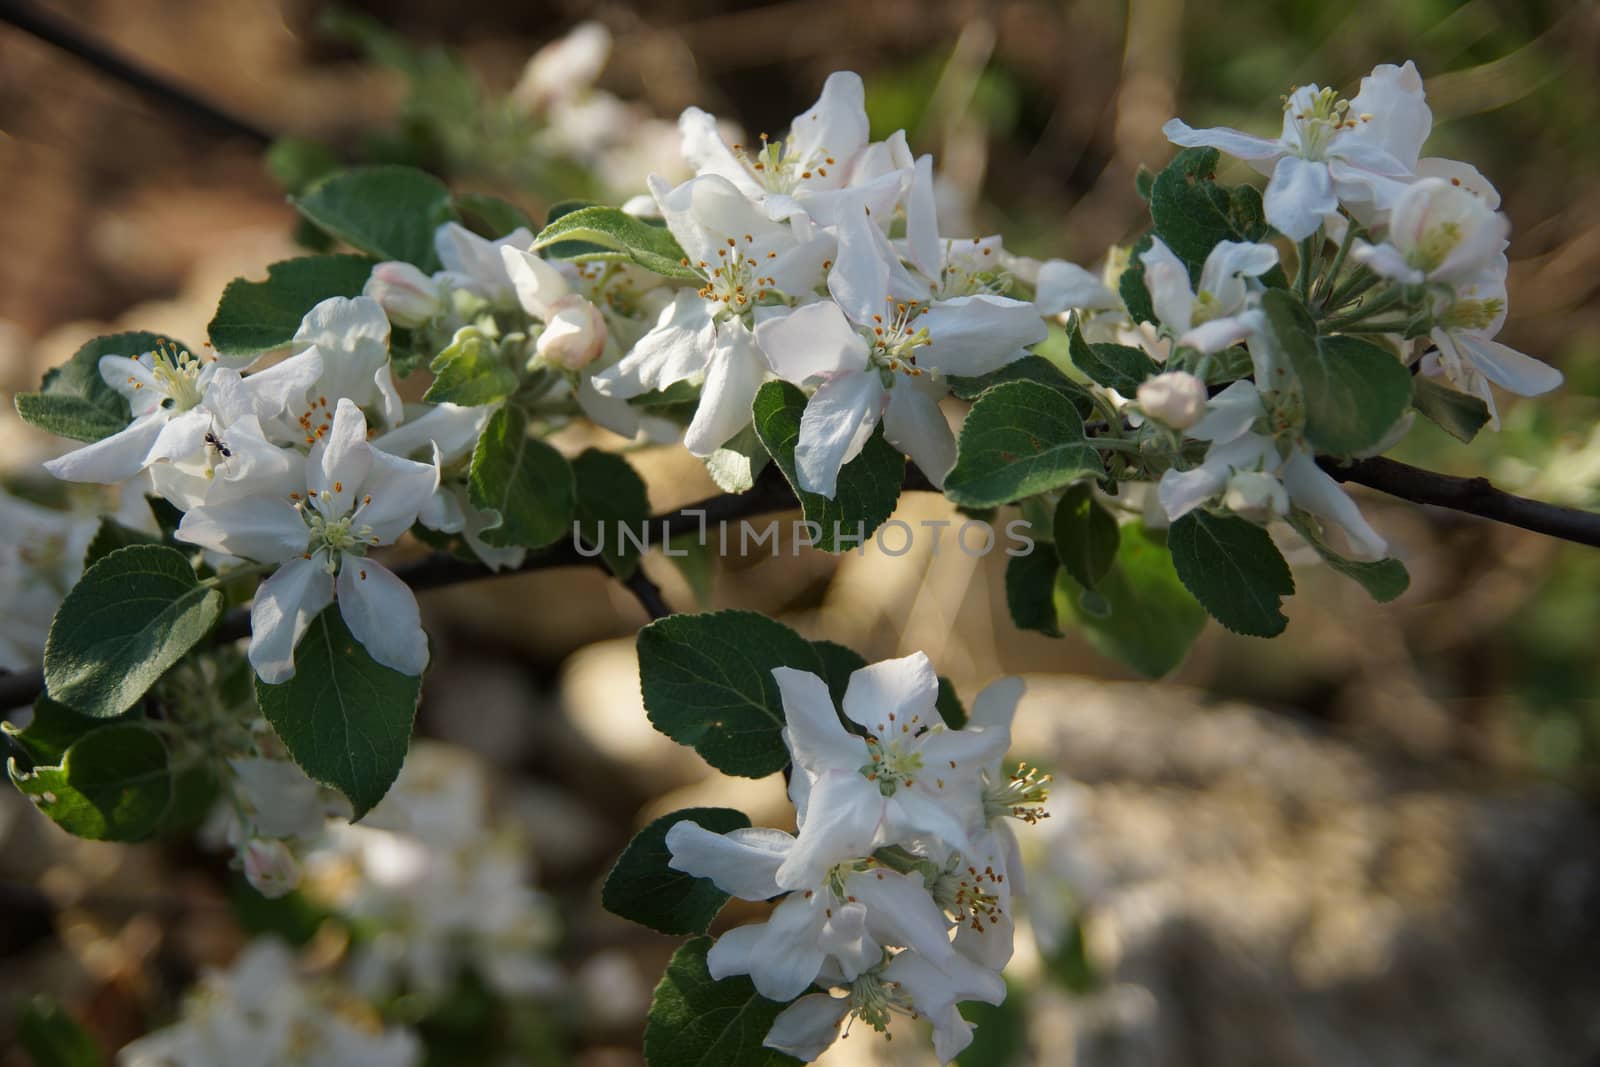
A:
(75, 401)
(1354, 391)
(948, 703)
(385, 210)
(1030, 591)
(1192, 213)
(112, 784)
(52, 730)
(1116, 367)
(490, 216)
(611, 496)
(868, 487)
(111, 536)
(1032, 368)
(1131, 287)
(1020, 439)
(1460, 415)
(838, 664)
(53, 1038)
(296, 162)
(641, 886)
(707, 683)
(651, 247)
(1150, 620)
(523, 480)
(471, 371)
(697, 562)
(344, 717)
(1000, 1037)
(258, 317)
(1085, 536)
(1384, 579)
(1232, 567)
(130, 617)
(696, 1021)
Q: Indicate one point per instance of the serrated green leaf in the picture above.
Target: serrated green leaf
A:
(111, 536)
(696, 1021)
(344, 717)
(1233, 568)
(262, 316)
(491, 216)
(523, 480)
(130, 617)
(1192, 213)
(112, 784)
(75, 401)
(948, 704)
(838, 664)
(1460, 415)
(1150, 620)
(1032, 368)
(651, 247)
(1384, 579)
(610, 497)
(643, 888)
(1020, 439)
(1354, 391)
(1085, 536)
(1030, 591)
(52, 729)
(296, 162)
(53, 1038)
(1131, 287)
(471, 371)
(383, 210)
(707, 683)
(1116, 367)
(868, 486)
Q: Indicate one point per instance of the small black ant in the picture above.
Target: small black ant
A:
(217, 443)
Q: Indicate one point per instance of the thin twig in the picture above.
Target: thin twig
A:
(1475, 496)
(31, 19)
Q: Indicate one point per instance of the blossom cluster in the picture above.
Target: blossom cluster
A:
(897, 891)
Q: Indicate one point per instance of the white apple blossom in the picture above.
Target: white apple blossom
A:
(564, 69)
(1467, 355)
(261, 1012)
(845, 917)
(1217, 314)
(343, 354)
(475, 263)
(1237, 448)
(356, 498)
(909, 774)
(745, 258)
(1329, 152)
(873, 348)
(1438, 233)
(409, 297)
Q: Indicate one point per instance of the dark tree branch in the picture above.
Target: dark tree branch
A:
(1475, 496)
(31, 19)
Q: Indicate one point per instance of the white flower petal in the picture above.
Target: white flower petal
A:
(706, 151)
(1238, 145)
(382, 614)
(996, 706)
(836, 125)
(891, 693)
(537, 283)
(135, 380)
(743, 863)
(838, 420)
(733, 374)
(1312, 488)
(111, 459)
(901, 912)
(284, 606)
(806, 1028)
(811, 341)
(1167, 280)
(842, 823)
(676, 348)
(1503, 365)
(453, 429)
(914, 424)
(1297, 197)
(816, 738)
(974, 335)
(262, 528)
(1064, 286)
(338, 464)
(1400, 120)
(394, 492)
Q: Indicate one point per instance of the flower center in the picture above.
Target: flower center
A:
(1317, 122)
(967, 893)
(177, 371)
(316, 420)
(893, 343)
(1436, 243)
(873, 1000)
(971, 272)
(779, 168)
(736, 281)
(333, 536)
(1021, 795)
(1471, 314)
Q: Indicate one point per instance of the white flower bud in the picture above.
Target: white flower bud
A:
(270, 867)
(574, 333)
(1175, 398)
(1256, 495)
(409, 297)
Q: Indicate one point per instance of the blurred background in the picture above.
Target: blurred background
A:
(1371, 842)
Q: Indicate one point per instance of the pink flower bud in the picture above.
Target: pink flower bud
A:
(1174, 399)
(409, 297)
(270, 867)
(574, 333)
